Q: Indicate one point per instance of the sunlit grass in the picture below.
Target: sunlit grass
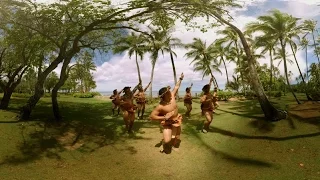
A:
(240, 145)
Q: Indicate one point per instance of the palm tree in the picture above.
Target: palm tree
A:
(203, 58)
(304, 44)
(134, 45)
(231, 41)
(280, 27)
(221, 53)
(310, 26)
(268, 46)
(162, 42)
(283, 58)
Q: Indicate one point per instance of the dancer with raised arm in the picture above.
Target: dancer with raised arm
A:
(188, 100)
(167, 113)
(116, 101)
(141, 100)
(207, 106)
(128, 107)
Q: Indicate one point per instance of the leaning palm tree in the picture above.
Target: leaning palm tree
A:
(134, 44)
(280, 27)
(204, 59)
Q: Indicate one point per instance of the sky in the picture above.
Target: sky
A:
(117, 71)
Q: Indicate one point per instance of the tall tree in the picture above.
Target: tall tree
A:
(281, 27)
(134, 44)
(304, 43)
(222, 55)
(203, 58)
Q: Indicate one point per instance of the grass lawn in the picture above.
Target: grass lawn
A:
(92, 144)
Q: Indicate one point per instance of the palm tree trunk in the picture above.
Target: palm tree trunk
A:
(240, 67)
(303, 81)
(307, 63)
(269, 111)
(174, 72)
(225, 67)
(151, 79)
(283, 47)
(138, 69)
(271, 68)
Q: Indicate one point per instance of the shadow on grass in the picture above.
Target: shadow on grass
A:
(86, 127)
(234, 159)
(242, 136)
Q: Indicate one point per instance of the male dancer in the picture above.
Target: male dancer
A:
(116, 100)
(127, 107)
(207, 106)
(167, 113)
(188, 100)
(141, 100)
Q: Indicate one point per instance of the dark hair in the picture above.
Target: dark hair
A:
(162, 90)
(114, 91)
(187, 89)
(127, 87)
(207, 86)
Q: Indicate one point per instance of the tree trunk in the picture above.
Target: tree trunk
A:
(11, 86)
(307, 63)
(151, 79)
(39, 90)
(303, 81)
(6, 98)
(174, 73)
(271, 68)
(269, 111)
(138, 69)
(33, 100)
(225, 67)
(283, 46)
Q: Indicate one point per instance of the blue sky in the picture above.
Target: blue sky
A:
(117, 71)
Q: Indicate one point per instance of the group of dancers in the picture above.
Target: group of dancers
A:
(167, 110)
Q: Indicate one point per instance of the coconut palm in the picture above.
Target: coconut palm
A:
(134, 44)
(280, 27)
(267, 46)
(310, 27)
(222, 54)
(304, 43)
(162, 42)
(203, 58)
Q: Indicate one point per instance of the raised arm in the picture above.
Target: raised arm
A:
(177, 86)
(135, 88)
(145, 89)
(120, 92)
(191, 86)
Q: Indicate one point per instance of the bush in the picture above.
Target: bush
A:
(222, 95)
(225, 95)
(95, 93)
(86, 95)
(315, 95)
(274, 93)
